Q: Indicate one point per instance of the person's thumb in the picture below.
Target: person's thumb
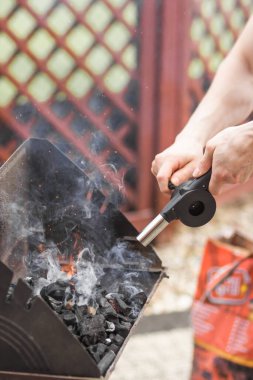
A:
(206, 161)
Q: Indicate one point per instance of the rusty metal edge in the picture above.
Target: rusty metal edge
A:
(35, 376)
(163, 274)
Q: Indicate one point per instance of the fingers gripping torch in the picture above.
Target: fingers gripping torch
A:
(191, 203)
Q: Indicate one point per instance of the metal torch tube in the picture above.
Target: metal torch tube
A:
(152, 230)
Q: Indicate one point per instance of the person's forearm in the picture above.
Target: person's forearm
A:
(228, 102)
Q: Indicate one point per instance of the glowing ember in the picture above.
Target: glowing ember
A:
(68, 268)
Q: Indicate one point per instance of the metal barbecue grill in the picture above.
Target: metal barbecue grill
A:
(46, 199)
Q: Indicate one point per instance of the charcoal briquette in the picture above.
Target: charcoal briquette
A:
(93, 329)
(101, 348)
(116, 300)
(122, 306)
(97, 351)
(106, 361)
(85, 340)
(81, 312)
(112, 296)
(29, 281)
(109, 312)
(128, 318)
(139, 298)
(91, 310)
(62, 284)
(54, 304)
(114, 348)
(71, 328)
(123, 328)
(110, 326)
(69, 318)
(54, 290)
(102, 301)
(118, 339)
(111, 336)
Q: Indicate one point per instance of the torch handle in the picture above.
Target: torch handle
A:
(203, 181)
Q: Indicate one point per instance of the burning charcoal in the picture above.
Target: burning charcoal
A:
(101, 349)
(92, 307)
(122, 307)
(100, 291)
(54, 304)
(128, 318)
(139, 298)
(81, 312)
(37, 241)
(109, 312)
(97, 351)
(63, 284)
(102, 301)
(107, 360)
(123, 328)
(41, 247)
(91, 310)
(69, 303)
(130, 292)
(93, 339)
(70, 297)
(71, 328)
(44, 293)
(86, 254)
(85, 340)
(134, 313)
(112, 296)
(10, 292)
(118, 339)
(55, 290)
(114, 348)
(93, 329)
(110, 326)
(118, 304)
(29, 281)
(69, 318)
(125, 290)
(137, 301)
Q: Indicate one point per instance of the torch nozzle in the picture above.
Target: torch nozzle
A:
(152, 230)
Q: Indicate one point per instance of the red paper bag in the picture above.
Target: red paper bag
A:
(222, 312)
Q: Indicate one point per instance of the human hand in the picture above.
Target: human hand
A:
(230, 154)
(177, 162)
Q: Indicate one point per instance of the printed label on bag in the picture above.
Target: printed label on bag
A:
(226, 332)
(232, 291)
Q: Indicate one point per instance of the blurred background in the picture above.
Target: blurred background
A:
(111, 83)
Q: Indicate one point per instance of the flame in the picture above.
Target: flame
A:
(68, 264)
(69, 267)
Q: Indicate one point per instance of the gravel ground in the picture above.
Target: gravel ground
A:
(166, 354)
(162, 355)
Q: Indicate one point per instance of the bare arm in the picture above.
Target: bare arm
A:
(228, 102)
